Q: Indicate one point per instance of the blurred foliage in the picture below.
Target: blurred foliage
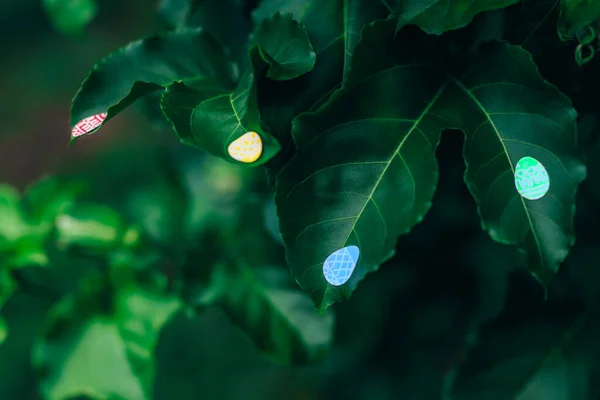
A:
(143, 269)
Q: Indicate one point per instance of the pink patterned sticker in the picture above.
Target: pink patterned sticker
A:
(88, 124)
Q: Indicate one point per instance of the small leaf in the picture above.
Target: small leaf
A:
(217, 119)
(439, 16)
(143, 67)
(266, 303)
(285, 46)
(70, 16)
(93, 227)
(576, 16)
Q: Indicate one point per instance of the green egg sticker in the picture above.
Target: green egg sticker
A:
(531, 178)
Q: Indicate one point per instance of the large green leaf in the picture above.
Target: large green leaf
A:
(333, 28)
(439, 16)
(102, 353)
(14, 222)
(70, 16)
(267, 304)
(365, 170)
(143, 67)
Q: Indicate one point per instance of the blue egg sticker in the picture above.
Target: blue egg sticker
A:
(340, 264)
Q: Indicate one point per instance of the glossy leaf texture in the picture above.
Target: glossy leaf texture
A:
(365, 170)
(333, 28)
(543, 350)
(143, 67)
(211, 118)
(284, 45)
(439, 16)
(267, 304)
(83, 338)
(70, 16)
(577, 15)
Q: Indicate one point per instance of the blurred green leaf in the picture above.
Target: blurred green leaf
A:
(94, 227)
(549, 356)
(14, 223)
(93, 349)
(340, 188)
(70, 16)
(267, 304)
(47, 198)
(284, 45)
(212, 121)
(439, 16)
(24, 314)
(143, 67)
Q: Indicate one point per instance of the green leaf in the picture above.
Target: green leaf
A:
(70, 16)
(211, 120)
(365, 170)
(140, 316)
(267, 304)
(439, 16)
(550, 355)
(333, 28)
(577, 15)
(176, 12)
(226, 20)
(3, 330)
(49, 197)
(14, 223)
(25, 315)
(91, 351)
(284, 45)
(532, 25)
(513, 113)
(93, 227)
(143, 67)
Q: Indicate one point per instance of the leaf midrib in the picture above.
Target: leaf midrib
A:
(369, 198)
(501, 140)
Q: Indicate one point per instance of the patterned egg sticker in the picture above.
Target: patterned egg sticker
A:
(340, 264)
(88, 125)
(247, 148)
(531, 179)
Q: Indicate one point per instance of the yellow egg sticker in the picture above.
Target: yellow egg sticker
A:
(247, 148)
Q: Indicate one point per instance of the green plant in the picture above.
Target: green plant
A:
(350, 100)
